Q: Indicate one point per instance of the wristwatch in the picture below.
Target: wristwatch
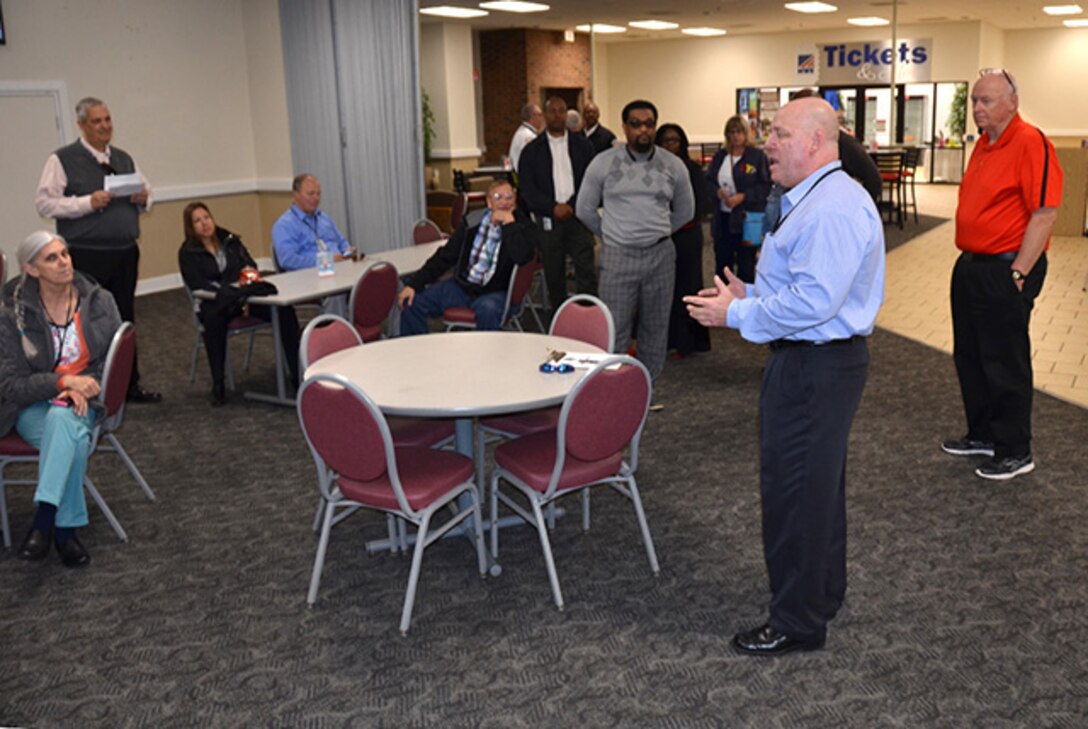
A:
(1017, 276)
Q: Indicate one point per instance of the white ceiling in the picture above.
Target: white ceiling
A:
(759, 16)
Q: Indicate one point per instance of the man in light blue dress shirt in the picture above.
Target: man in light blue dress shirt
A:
(303, 229)
(819, 285)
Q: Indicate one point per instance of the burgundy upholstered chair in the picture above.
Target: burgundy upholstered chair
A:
(603, 414)
(115, 377)
(372, 299)
(426, 231)
(581, 317)
(521, 280)
(358, 466)
(329, 333)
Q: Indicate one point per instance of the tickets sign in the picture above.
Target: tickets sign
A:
(866, 62)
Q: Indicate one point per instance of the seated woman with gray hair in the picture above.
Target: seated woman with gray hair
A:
(56, 326)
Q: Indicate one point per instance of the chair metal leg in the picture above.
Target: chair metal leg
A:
(413, 574)
(130, 466)
(4, 526)
(478, 522)
(249, 350)
(105, 509)
(319, 558)
(391, 531)
(318, 513)
(585, 509)
(229, 367)
(495, 515)
(196, 352)
(640, 514)
(546, 547)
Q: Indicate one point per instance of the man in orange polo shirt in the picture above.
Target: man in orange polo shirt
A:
(1008, 203)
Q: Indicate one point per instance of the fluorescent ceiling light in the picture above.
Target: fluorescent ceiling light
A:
(448, 11)
(811, 7)
(601, 28)
(653, 24)
(1063, 10)
(515, 6)
(867, 21)
(1078, 23)
(704, 32)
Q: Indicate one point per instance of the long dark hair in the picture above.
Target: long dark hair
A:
(665, 129)
(187, 220)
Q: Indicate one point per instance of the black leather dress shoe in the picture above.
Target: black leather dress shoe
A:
(72, 554)
(766, 641)
(219, 395)
(35, 546)
(139, 394)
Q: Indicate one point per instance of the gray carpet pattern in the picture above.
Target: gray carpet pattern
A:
(966, 604)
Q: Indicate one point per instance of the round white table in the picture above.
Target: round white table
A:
(457, 374)
(460, 375)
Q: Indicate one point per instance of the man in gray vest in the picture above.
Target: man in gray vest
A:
(101, 228)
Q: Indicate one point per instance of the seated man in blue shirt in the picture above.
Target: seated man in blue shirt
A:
(482, 251)
(304, 230)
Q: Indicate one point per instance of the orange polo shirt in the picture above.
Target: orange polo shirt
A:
(1004, 184)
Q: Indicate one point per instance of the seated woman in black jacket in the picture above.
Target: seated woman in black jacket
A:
(211, 259)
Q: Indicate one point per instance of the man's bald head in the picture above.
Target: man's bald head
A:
(804, 138)
(994, 102)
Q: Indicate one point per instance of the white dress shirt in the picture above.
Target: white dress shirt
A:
(562, 173)
(50, 199)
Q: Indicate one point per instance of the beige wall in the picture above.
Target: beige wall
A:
(1050, 68)
(195, 89)
(694, 81)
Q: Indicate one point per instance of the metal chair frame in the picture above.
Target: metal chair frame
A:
(6, 459)
(334, 500)
(198, 344)
(623, 482)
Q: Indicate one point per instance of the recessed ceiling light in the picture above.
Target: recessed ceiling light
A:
(449, 11)
(653, 24)
(515, 6)
(704, 32)
(601, 28)
(811, 7)
(1078, 23)
(868, 21)
(1063, 10)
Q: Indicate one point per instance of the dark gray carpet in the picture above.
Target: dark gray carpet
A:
(966, 607)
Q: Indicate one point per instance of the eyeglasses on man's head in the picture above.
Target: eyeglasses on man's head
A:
(1001, 72)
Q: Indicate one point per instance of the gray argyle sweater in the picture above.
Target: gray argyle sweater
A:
(645, 197)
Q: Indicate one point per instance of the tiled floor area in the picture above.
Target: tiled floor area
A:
(917, 299)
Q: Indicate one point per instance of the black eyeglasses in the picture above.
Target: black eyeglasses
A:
(642, 123)
(670, 140)
(1003, 72)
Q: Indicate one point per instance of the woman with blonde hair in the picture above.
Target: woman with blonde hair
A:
(741, 179)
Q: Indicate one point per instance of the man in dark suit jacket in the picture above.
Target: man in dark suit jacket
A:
(600, 137)
(549, 175)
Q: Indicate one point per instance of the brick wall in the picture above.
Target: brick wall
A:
(516, 65)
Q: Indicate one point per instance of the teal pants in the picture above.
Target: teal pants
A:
(63, 440)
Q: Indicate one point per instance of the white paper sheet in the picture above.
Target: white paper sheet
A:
(124, 185)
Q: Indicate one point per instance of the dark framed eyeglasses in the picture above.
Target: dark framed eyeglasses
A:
(1002, 72)
(670, 139)
(642, 123)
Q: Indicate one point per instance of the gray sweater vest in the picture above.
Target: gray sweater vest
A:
(118, 224)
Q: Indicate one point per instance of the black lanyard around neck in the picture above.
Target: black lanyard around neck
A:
(61, 330)
(803, 198)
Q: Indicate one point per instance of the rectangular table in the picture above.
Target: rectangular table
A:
(296, 287)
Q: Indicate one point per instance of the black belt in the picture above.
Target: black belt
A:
(1007, 257)
(788, 343)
